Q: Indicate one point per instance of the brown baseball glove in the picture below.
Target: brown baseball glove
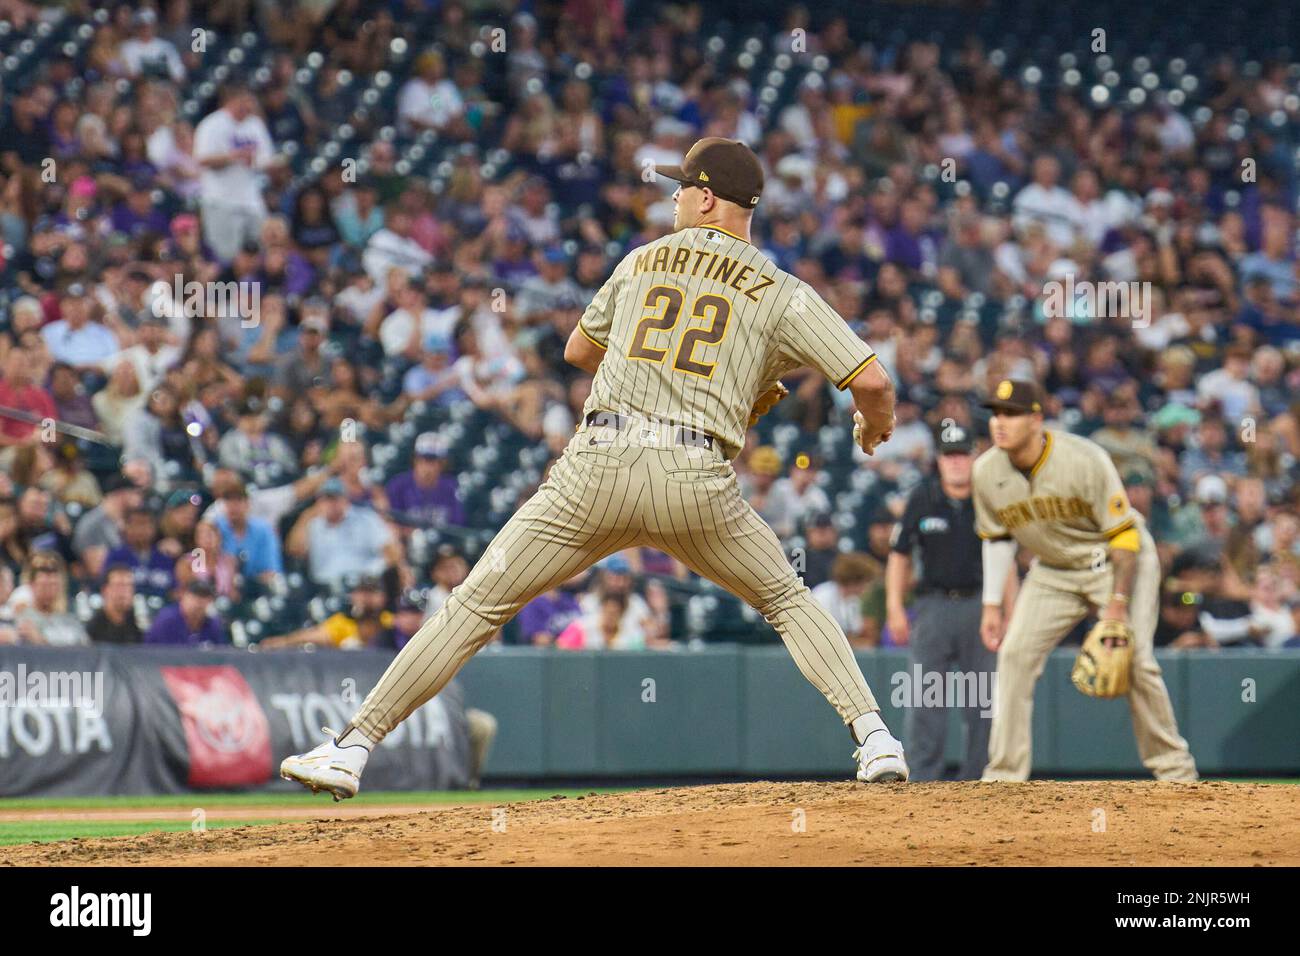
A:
(1105, 661)
(765, 402)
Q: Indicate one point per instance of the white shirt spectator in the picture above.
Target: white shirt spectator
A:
(1055, 208)
(1122, 206)
(489, 374)
(558, 422)
(268, 504)
(235, 184)
(786, 508)
(748, 129)
(159, 145)
(58, 629)
(396, 329)
(149, 366)
(798, 122)
(387, 249)
(174, 163)
(542, 229)
(847, 611)
(1157, 336)
(238, 451)
(358, 301)
(1238, 398)
(1121, 265)
(1176, 133)
(435, 599)
(490, 332)
(160, 299)
(428, 104)
(353, 547)
(1273, 627)
(958, 145)
(89, 345)
(536, 296)
(137, 53)
(1009, 258)
(1093, 219)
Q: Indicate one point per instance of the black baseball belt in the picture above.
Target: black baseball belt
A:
(681, 435)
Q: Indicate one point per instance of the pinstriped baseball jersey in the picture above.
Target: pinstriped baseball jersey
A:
(694, 326)
(697, 324)
(1068, 505)
(1067, 510)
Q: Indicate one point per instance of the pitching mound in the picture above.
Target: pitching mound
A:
(764, 824)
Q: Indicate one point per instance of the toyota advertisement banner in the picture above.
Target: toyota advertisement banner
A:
(135, 720)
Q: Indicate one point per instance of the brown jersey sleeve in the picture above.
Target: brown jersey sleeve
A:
(1108, 498)
(812, 333)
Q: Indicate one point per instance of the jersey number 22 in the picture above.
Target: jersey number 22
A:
(656, 320)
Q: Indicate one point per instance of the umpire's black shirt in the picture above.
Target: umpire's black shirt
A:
(943, 529)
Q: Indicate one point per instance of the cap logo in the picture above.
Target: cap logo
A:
(1005, 389)
(704, 177)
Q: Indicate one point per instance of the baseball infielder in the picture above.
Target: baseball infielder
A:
(1060, 496)
(687, 339)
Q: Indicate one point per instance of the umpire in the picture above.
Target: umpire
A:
(939, 523)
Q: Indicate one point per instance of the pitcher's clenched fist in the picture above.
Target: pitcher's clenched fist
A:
(873, 422)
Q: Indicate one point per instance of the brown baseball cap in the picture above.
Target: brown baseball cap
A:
(726, 166)
(1015, 395)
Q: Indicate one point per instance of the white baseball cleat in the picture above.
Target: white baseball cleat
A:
(329, 767)
(880, 759)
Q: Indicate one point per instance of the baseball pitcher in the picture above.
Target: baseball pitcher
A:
(1060, 496)
(687, 341)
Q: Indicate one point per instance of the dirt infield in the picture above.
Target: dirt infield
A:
(769, 824)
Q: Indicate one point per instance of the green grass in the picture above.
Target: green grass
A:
(189, 801)
(52, 831)
(48, 831)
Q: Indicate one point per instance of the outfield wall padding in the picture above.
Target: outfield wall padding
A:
(150, 720)
(177, 721)
(747, 711)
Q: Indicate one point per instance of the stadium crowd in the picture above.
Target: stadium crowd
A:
(934, 198)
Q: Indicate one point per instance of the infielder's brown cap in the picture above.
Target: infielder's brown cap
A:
(726, 166)
(1015, 395)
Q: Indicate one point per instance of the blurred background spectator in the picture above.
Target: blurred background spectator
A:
(420, 225)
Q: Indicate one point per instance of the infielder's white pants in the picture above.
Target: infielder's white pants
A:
(600, 499)
(1050, 604)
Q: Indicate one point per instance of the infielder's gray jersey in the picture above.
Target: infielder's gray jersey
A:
(1066, 510)
(697, 324)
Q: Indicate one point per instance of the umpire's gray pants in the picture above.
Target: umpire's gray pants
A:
(946, 637)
